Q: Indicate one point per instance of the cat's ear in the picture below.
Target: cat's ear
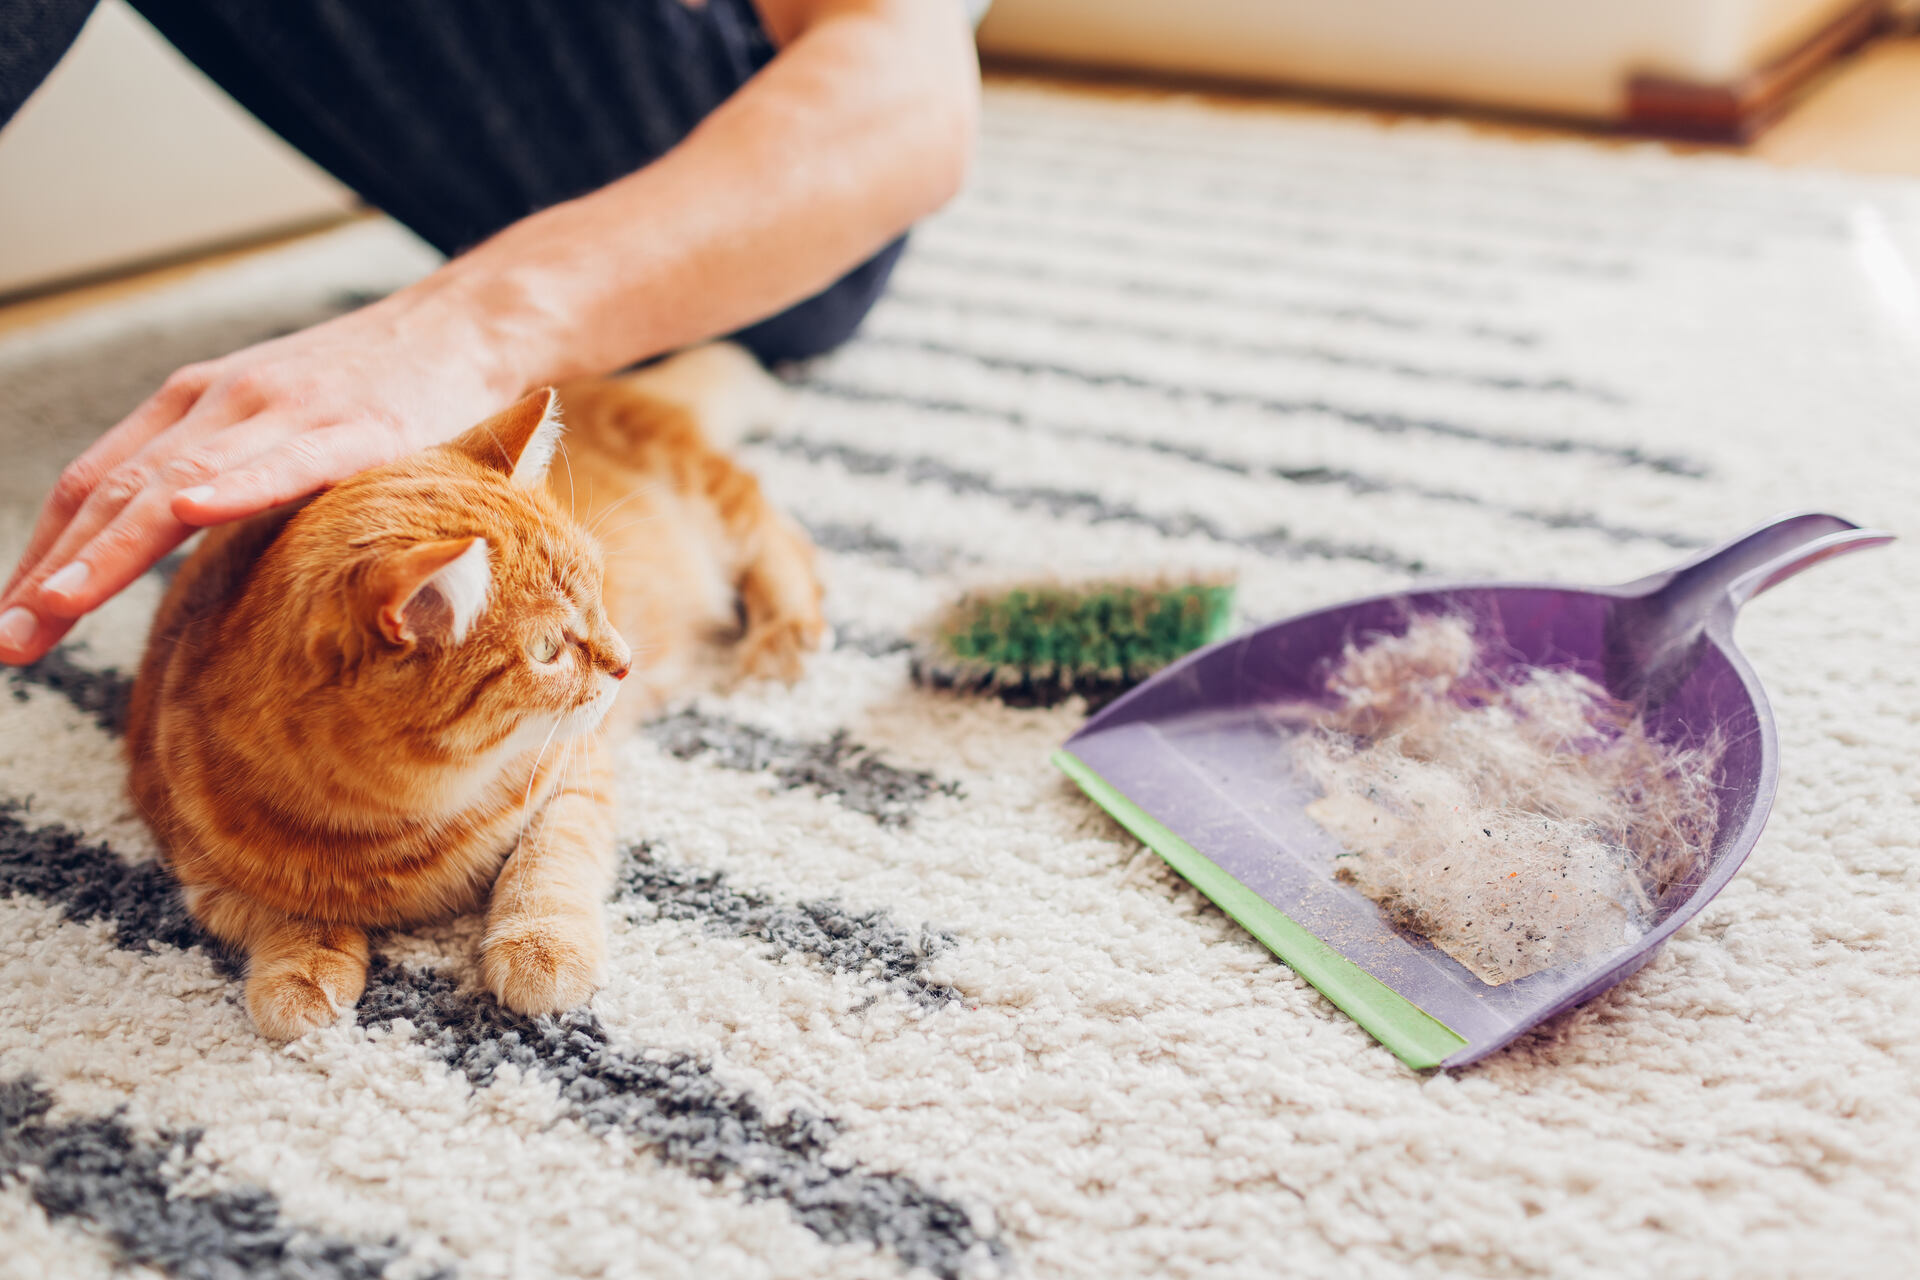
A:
(518, 442)
(431, 591)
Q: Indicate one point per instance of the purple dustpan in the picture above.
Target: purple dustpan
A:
(1194, 762)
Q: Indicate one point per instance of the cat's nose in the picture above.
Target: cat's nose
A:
(612, 653)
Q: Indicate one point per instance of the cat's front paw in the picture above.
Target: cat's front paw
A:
(543, 964)
(776, 649)
(289, 996)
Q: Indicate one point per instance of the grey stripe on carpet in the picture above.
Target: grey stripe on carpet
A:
(1080, 504)
(1220, 226)
(1082, 322)
(1124, 278)
(1435, 283)
(1283, 211)
(674, 1104)
(873, 643)
(691, 1120)
(88, 882)
(1355, 482)
(1646, 222)
(835, 766)
(831, 766)
(1379, 421)
(125, 1188)
(867, 944)
(924, 558)
(1498, 186)
(101, 692)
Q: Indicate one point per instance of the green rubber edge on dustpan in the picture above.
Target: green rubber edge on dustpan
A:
(1415, 1036)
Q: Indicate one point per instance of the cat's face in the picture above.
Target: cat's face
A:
(465, 610)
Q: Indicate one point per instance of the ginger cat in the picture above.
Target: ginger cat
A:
(383, 704)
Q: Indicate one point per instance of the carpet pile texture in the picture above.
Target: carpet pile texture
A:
(888, 994)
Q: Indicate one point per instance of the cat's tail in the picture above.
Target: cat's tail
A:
(720, 384)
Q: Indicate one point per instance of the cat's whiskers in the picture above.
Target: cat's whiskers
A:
(525, 845)
(647, 490)
(573, 506)
(593, 530)
(533, 775)
(574, 562)
(652, 518)
(600, 518)
(528, 849)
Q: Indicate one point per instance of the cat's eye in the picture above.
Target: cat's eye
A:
(545, 648)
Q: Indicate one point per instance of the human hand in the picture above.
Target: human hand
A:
(231, 437)
(696, 244)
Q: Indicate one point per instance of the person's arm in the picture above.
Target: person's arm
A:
(861, 124)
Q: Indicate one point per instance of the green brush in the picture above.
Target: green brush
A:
(1037, 644)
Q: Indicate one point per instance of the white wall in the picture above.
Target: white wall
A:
(128, 154)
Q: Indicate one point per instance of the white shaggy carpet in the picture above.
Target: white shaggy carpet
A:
(888, 992)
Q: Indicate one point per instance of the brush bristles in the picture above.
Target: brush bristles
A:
(1041, 643)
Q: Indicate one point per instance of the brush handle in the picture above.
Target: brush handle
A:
(1654, 632)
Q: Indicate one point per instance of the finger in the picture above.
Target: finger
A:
(26, 636)
(67, 582)
(309, 461)
(113, 557)
(77, 483)
(105, 549)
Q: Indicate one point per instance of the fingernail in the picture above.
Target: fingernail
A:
(68, 580)
(17, 626)
(199, 493)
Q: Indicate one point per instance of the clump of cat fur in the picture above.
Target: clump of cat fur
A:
(1521, 821)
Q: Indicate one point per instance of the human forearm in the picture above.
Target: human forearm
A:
(863, 123)
(878, 98)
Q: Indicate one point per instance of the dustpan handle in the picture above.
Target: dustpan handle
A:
(1805, 556)
(1743, 567)
(1653, 632)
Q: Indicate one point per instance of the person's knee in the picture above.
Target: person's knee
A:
(827, 319)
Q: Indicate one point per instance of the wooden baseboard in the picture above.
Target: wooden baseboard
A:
(1740, 110)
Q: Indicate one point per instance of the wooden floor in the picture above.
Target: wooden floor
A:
(1862, 116)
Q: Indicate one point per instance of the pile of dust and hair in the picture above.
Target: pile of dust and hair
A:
(1521, 821)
